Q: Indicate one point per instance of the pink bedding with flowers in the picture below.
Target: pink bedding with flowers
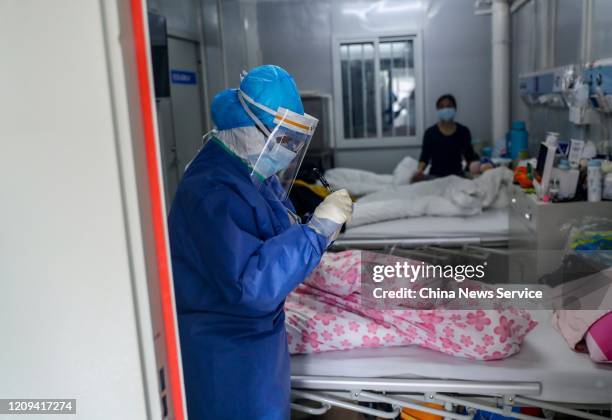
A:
(325, 313)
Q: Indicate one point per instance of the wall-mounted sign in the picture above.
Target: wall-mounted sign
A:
(183, 77)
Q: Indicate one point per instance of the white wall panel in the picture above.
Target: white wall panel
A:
(602, 29)
(180, 14)
(568, 32)
(530, 24)
(67, 307)
(298, 36)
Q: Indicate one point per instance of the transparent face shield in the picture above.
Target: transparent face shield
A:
(285, 146)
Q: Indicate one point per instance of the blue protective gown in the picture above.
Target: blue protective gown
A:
(235, 257)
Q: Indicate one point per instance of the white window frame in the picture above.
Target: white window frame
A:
(379, 141)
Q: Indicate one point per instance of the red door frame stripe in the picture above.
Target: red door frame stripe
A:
(157, 210)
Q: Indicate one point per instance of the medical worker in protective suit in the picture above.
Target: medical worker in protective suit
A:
(238, 250)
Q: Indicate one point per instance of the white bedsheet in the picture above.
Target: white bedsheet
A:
(359, 182)
(449, 196)
(565, 376)
(491, 223)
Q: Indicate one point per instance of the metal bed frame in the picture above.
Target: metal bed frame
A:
(410, 243)
(497, 397)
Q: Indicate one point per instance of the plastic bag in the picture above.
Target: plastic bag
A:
(591, 238)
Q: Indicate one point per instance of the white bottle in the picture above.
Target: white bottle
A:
(594, 180)
(552, 139)
(607, 187)
(553, 190)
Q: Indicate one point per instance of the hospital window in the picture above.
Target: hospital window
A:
(378, 87)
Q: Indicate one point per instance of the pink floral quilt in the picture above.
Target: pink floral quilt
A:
(325, 314)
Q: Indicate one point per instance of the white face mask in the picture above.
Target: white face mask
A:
(273, 161)
(446, 114)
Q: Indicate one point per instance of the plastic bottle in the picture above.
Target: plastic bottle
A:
(517, 140)
(554, 190)
(564, 180)
(607, 187)
(564, 165)
(594, 180)
(552, 139)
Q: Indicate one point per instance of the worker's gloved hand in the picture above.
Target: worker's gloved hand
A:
(331, 214)
(337, 207)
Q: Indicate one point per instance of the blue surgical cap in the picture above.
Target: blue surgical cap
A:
(268, 85)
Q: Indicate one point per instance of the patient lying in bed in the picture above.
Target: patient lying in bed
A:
(449, 196)
(325, 313)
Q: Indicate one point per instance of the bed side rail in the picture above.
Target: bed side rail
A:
(417, 385)
(378, 243)
(496, 397)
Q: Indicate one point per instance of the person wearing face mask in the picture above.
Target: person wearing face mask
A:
(445, 144)
(238, 249)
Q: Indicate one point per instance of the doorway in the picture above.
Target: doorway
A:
(180, 116)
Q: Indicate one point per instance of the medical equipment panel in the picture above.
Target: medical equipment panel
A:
(546, 87)
(320, 150)
(599, 78)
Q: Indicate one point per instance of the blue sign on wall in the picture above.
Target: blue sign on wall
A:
(183, 77)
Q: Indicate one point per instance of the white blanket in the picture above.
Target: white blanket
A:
(449, 196)
(359, 182)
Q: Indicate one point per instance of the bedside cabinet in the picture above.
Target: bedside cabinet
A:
(537, 238)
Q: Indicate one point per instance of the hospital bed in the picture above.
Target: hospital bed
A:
(491, 228)
(545, 374)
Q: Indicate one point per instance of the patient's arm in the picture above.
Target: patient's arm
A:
(420, 172)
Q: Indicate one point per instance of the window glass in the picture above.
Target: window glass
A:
(357, 66)
(378, 105)
(397, 89)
